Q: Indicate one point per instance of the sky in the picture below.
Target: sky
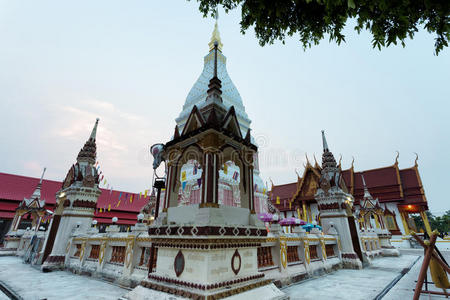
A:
(132, 64)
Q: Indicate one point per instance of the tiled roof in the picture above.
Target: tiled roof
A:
(16, 188)
(387, 184)
(285, 192)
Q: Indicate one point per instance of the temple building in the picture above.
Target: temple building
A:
(15, 188)
(398, 193)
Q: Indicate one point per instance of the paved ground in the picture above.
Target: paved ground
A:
(353, 284)
(404, 288)
(31, 283)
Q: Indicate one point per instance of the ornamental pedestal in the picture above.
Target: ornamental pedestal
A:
(77, 217)
(207, 260)
(333, 207)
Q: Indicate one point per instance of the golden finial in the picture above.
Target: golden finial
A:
(216, 35)
(417, 158)
(353, 161)
(298, 176)
(307, 160)
(396, 158)
(340, 159)
(315, 161)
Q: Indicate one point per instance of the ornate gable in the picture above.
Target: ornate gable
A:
(194, 121)
(231, 123)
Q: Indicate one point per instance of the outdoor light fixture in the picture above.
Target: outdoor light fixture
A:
(140, 217)
(114, 220)
(94, 222)
(62, 194)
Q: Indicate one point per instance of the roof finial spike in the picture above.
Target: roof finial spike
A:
(417, 158)
(396, 158)
(307, 160)
(324, 141)
(215, 58)
(353, 161)
(94, 130)
(340, 159)
(366, 190)
(296, 172)
(215, 35)
(315, 161)
(364, 182)
(42, 176)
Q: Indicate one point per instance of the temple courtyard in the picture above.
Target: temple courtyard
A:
(385, 278)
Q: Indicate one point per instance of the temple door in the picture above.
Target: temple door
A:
(51, 236)
(355, 237)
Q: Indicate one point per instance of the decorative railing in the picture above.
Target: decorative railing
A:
(264, 257)
(118, 254)
(329, 250)
(95, 251)
(292, 254)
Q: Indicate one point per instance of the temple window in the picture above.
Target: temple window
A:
(145, 257)
(118, 254)
(313, 252)
(95, 250)
(292, 254)
(264, 257)
(329, 250)
(77, 250)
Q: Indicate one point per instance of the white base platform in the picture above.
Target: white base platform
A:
(269, 292)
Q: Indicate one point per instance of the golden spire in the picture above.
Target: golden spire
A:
(215, 35)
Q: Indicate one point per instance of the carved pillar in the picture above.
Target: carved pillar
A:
(210, 175)
(425, 222)
(405, 224)
(171, 183)
(251, 194)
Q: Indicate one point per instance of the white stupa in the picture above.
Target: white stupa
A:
(229, 180)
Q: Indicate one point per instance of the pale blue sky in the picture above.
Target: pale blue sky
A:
(132, 63)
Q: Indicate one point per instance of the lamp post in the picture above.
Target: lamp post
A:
(140, 217)
(94, 223)
(114, 220)
(158, 185)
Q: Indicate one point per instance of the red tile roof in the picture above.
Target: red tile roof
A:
(285, 192)
(14, 188)
(388, 184)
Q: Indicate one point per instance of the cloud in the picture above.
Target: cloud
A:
(122, 147)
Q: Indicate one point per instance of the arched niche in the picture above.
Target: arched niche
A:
(177, 159)
(229, 181)
(229, 153)
(190, 177)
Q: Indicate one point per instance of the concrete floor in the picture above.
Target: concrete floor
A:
(368, 283)
(404, 288)
(353, 284)
(31, 283)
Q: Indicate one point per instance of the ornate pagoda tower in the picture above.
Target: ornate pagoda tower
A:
(209, 250)
(75, 206)
(229, 175)
(336, 209)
